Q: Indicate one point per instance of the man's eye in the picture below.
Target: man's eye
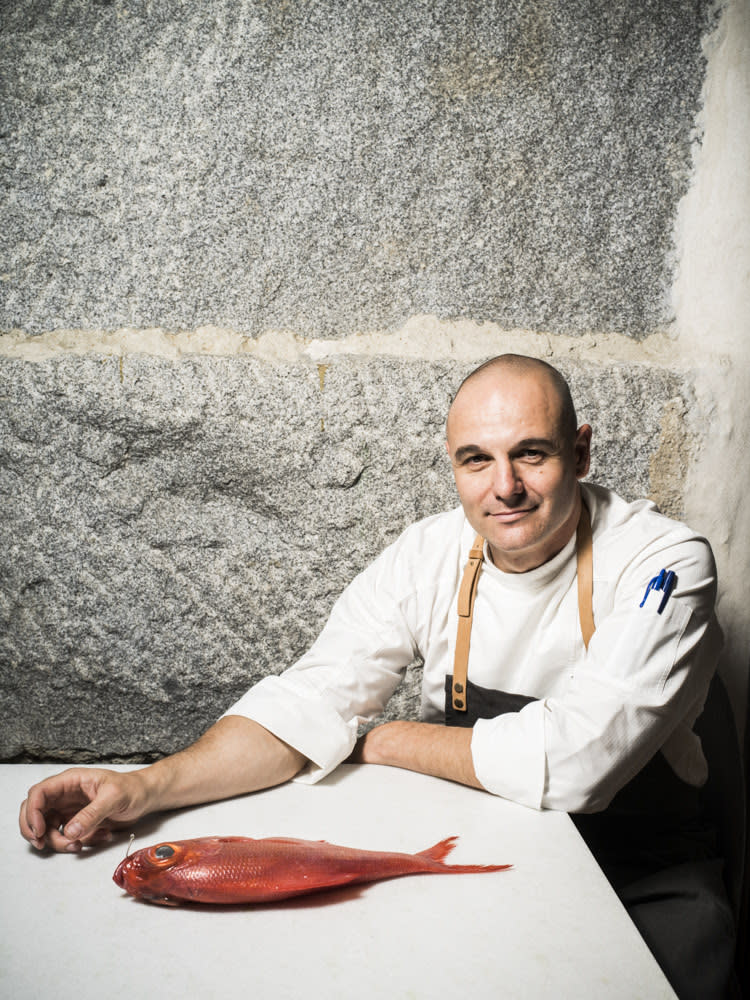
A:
(476, 460)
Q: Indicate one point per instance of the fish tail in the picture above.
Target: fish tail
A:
(440, 851)
(468, 869)
(443, 849)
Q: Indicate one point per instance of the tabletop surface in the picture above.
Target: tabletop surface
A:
(550, 927)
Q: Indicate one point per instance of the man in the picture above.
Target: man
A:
(563, 688)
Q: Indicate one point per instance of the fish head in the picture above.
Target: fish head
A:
(149, 873)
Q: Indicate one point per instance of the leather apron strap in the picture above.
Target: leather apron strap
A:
(466, 594)
(585, 574)
(468, 589)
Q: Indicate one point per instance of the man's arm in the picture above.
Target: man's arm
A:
(233, 757)
(441, 751)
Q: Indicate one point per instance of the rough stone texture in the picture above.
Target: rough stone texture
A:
(334, 166)
(173, 530)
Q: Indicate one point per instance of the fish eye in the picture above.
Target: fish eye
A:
(163, 851)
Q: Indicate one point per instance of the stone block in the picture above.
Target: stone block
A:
(174, 529)
(335, 167)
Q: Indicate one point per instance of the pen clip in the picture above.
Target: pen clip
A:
(664, 582)
(668, 586)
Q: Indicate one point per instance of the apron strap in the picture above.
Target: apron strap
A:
(466, 594)
(468, 589)
(585, 574)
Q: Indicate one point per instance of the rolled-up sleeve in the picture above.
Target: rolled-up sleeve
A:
(303, 720)
(347, 676)
(637, 690)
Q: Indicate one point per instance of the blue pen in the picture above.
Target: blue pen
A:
(664, 582)
(669, 581)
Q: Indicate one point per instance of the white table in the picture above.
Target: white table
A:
(551, 927)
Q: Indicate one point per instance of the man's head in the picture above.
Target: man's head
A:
(517, 456)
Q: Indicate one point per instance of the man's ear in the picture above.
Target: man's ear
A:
(582, 449)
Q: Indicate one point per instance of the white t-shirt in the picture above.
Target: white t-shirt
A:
(601, 714)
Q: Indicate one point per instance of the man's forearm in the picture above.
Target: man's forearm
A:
(441, 751)
(235, 756)
(81, 805)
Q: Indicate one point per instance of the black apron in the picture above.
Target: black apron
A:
(658, 848)
(655, 842)
(655, 820)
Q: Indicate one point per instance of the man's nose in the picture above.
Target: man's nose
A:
(506, 481)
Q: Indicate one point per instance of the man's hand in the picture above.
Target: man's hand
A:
(81, 806)
(235, 756)
(441, 751)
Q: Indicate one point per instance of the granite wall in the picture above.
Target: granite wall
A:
(249, 249)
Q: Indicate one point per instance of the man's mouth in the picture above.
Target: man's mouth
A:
(509, 516)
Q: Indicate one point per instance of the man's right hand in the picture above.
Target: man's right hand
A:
(81, 806)
(235, 756)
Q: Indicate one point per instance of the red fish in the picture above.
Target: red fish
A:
(243, 870)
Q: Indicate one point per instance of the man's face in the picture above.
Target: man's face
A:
(515, 475)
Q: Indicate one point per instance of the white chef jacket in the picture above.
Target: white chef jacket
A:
(601, 714)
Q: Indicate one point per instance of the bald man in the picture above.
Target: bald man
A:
(568, 640)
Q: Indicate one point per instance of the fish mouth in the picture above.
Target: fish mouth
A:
(126, 873)
(119, 876)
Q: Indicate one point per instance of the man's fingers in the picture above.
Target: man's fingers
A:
(40, 810)
(46, 832)
(72, 809)
(84, 824)
(33, 832)
(35, 822)
(58, 841)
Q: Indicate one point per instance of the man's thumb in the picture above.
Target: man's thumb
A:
(88, 819)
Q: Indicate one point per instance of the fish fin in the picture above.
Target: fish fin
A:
(474, 869)
(443, 849)
(440, 851)
(295, 841)
(162, 900)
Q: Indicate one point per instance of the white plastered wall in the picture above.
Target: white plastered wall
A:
(712, 306)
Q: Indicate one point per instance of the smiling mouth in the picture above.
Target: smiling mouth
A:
(510, 515)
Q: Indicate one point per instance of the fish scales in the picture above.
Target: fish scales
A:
(224, 870)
